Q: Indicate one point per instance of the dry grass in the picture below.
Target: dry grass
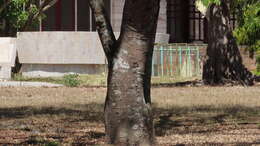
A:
(207, 96)
(98, 80)
(183, 115)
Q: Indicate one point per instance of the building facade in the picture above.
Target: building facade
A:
(178, 18)
(66, 41)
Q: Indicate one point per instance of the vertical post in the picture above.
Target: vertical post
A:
(40, 20)
(153, 60)
(189, 61)
(166, 61)
(198, 60)
(186, 60)
(171, 60)
(90, 20)
(158, 60)
(162, 59)
(180, 59)
(111, 13)
(105, 67)
(76, 15)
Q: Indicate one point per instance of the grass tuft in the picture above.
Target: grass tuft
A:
(71, 80)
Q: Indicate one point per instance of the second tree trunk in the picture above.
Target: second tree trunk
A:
(224, 62)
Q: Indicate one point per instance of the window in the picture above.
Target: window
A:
(186, 24)
(177, 20)
(70, 15)
(196, 24)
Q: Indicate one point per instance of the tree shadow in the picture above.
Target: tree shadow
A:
(167, 120)
(179, 84)
(92, 112)
(172, 119)
(56, 122)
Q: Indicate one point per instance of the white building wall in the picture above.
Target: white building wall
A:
(60, 48)
(47, 54)
(7, 56)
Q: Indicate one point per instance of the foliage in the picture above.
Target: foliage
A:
(52, 143)
(208, 2)
(202, 5)
(71, 80)
(256, 73)
(248, 31)
(18, 15)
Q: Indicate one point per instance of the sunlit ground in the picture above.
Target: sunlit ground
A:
(183, 115)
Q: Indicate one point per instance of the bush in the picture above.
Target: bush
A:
(248, 30)
(71, 80)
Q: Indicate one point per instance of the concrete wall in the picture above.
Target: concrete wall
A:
(37, 47)
(55, 53)
(45, 54)
(7, 56)
(8, 51)
(59, 48)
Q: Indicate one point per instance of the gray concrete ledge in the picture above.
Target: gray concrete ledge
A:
(27, 84)
(59, 70)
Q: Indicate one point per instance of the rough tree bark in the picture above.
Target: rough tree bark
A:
(223, 63)
(128, 115)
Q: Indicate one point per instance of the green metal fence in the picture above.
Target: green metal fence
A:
(177, 60)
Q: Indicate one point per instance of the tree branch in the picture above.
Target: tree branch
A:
(104, 27)
(45, 5)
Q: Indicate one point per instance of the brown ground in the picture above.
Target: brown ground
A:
(183, 116)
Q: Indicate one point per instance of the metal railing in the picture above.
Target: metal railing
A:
(177, 60)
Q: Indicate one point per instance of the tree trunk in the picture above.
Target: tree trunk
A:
(128, 114)
(224, 62)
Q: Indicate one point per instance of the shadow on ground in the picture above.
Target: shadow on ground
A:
(179, 84)
(199, 119)
(220, 144)
(92, 112)
(173, 120)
